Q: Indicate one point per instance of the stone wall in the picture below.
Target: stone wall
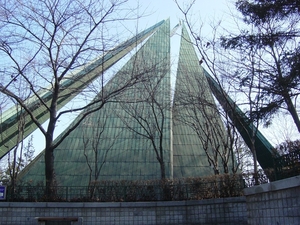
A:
(274, 203)
(225, 211)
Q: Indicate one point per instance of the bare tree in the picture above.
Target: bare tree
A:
(41, 44)
(19, 156)
(96, 148)
(199, 112)
(148, 115)
(227, 69)
(283, 130)
(17, 159)
(14, 160)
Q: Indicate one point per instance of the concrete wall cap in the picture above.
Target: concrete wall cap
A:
(274, 186)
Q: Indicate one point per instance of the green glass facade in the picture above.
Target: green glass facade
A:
(138, 134)
(70, 87)
(121, 140)
(197, 127)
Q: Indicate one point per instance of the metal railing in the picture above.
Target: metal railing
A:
(196, 189)
(287, 165)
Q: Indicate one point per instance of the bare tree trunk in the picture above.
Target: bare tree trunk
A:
(162, 169)
(291, 108)
(49, 173)
(255, 167)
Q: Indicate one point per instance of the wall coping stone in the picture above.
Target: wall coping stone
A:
(138, 204)
(121, 204)
(273, 186)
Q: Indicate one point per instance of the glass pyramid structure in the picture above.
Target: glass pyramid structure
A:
(198, 137)
(141, 134)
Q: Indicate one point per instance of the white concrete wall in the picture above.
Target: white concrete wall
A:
(207, 212)
(275, 203)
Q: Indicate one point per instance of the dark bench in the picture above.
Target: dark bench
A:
(45, 219)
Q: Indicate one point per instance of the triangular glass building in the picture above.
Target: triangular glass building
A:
(143, 134)
(197, 127)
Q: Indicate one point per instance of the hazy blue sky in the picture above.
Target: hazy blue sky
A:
(203, 11)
